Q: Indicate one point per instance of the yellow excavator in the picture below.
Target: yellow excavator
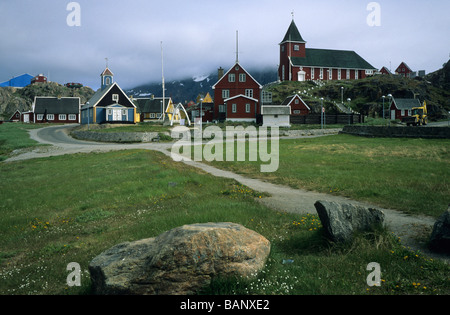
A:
(418, 117)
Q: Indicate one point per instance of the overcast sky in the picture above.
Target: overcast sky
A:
(199, 36)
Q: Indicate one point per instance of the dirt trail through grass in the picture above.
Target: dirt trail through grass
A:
(413, 231)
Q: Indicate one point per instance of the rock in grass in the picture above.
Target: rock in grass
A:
(440, 236)
(341, 221)
(180, 261)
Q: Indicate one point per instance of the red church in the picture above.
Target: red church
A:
(298, 63)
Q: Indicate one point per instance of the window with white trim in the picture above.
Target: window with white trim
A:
(321, 74)
(242, 77)
(115, 98)
(249, 92)
(62, 117)
(152, 115)
(231, 77)
(312, 73)
(339, 74)
(247, 108)
(234, 108)
(40, 117)
(72, 117)
(225, 94)
(356, 74)
(348, 74)
(330, 74)
(221, 108)
(50, 117)
(296, 47)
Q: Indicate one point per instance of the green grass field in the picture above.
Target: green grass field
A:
(411, 175)
(14, 136)
(58, 210)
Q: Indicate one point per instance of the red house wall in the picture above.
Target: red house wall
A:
(235, 88)
(240, 108)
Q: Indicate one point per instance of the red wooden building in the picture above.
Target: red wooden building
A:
(236, 95)
(403, 70)
(298, 106)
(385, 70)
(54, 110)
(298, 63)
(401, 107)
(39, 79)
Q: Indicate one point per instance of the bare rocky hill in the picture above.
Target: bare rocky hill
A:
(12, 99)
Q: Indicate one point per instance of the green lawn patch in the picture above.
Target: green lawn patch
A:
(14, 136)
(71, 208)
(411, 175)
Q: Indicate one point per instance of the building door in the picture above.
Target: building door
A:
(392, 114)
(117, 114)
(26, 118)
(301, 76)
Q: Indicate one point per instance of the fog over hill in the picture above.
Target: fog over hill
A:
(186, 90)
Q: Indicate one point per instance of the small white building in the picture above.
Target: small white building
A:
(276, 115)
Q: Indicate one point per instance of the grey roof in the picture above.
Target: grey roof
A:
(275, 110)
(150, 105)
(406, 103)
(329, 58)
(54, 105)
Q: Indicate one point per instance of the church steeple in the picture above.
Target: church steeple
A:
(293, 35)
(291, 47)
(107, 78)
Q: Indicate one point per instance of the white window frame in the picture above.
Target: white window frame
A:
(356, 75)
(40, 117)
(72, 117)
(249, 92)
(222, 109)
(231, 77)
(339, 74)
(225, 94)
(234, 108)
(348, 74)
(296, 111)
(62, 117)
(330, 74)
(312, 73)
(152, 115)
(297, 47)
(321, 74)
(242, 77)
(50, 117)
(247, 108)
(115, 98)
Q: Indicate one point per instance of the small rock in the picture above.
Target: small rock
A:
(180, 261)
(440, 236)
(340, 221)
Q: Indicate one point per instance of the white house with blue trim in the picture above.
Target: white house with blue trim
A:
(109, 104)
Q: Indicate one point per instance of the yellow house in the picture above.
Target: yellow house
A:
(206, 99)
(176, 114)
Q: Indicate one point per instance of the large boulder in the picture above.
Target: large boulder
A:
(180, 261)
(342, 220)
(440, 236)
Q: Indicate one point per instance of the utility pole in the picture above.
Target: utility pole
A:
(163, 83)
